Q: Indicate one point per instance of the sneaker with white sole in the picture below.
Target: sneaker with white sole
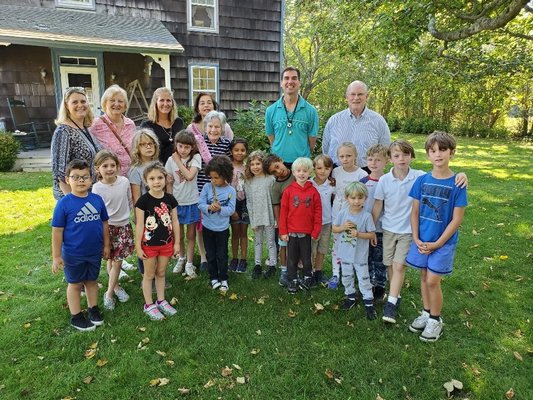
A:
(178, 268)
(389, 313)
(94, 316)
(121, 294)
(433, 330)
(333, 282)
(81, 323)
(109, 303)
(166, 308)
(153, 312)
(123, 275)
(420, 322)
(127, 266)
(190, 270)
(215, 284)
(224, 287)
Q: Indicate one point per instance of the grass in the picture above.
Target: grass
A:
(486, 345)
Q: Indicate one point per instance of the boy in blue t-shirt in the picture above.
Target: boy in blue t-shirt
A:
(80, 237)
(437, 212)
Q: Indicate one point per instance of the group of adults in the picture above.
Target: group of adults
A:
(79, 135)
(292, 123)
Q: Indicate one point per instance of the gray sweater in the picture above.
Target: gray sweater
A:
(259, 200)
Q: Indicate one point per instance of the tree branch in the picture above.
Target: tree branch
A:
(518, 35)
(481, 24)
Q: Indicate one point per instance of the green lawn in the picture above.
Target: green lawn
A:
(279, 346)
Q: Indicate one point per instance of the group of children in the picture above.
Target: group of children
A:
(379, 222)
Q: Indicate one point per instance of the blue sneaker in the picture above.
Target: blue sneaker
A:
(333, 282)
(242, 266)
(233, 265)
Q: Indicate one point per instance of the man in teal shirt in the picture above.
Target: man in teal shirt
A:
(291, 123)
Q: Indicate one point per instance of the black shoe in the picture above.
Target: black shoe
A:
(370, 312)
(81, 323)
(306, 282)
(203, 266)
(233, 265)
(257, 272)
(379, 294)
(348, 303)
(292, 286)
(389, 313)
(95, 317)
(270, 271)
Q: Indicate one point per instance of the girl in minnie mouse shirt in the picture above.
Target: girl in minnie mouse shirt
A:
(156, 238)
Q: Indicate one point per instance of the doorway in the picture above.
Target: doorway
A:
(85, 77)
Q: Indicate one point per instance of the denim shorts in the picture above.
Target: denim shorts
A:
(81, 268)
(188, 214)
(440, 262)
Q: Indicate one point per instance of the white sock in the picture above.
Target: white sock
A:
(392, 300)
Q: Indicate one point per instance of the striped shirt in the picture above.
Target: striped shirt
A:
(368, 129)
(221, 147)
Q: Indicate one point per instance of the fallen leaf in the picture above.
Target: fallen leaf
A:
(161, 353)
(473, 293)
(500, 224)
(451, 386)
(474, 232)
(40, 358)
(329, 373)
(519, 278)
(296, 301)
(101, 362)
(184, 391)
(88, 379)
(378, 397)
(467, 312)
(226, 371)
(173, 301)
(485, 286)
(468, 325)
(236, 366)
(318, 308)
(291, 313)
(27, 325)
(170, 363)
(164, 381)
(475, 371)
(209, 383)
(154, 382)
(142, 329)
(233, 296)
(261, 300)
(338, 381)
(241, 380)
(509, 394)
(93, 345)
(254, 351)
(90, 353)
(146, 340)
(335, 307)
(518, 356)
(349, 323)
(504, 257)
(258, 332)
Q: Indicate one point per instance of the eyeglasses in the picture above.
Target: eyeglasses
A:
(147, 144)
(80, 177)
(75, 89)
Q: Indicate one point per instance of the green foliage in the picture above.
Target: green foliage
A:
(394, 122)
(186, 114)
(250, 124)
(480, 132)
(9, 148)
(423, 126)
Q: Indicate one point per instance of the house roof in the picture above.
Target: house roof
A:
(52, 27)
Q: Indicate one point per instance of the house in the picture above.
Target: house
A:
(230, 48)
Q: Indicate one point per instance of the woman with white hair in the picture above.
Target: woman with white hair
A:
(71, 139)
(113, 130)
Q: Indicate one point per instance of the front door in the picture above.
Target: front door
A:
(85, 77)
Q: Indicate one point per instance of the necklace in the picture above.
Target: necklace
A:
(168, 131)
(290, 117)
(85, 133)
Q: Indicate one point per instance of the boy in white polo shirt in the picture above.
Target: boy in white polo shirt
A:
(392, 196)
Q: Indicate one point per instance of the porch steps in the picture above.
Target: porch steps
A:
(38, 160)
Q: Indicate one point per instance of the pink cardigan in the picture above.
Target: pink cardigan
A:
(109, 141)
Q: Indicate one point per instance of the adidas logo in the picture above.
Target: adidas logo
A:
(87, 214)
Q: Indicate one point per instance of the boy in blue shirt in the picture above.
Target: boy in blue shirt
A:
(437, 212)
(80, 237)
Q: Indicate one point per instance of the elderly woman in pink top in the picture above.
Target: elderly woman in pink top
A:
(113, 130)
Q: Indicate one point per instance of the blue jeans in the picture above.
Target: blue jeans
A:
(376, 269)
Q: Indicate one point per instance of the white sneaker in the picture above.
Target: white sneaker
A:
(123, 275)
(224, 287)
(109, 303)
(126, 266)
(121, 294)
(420, 322)
(432, 331)
(178, 268)
(215, 284)
(190, 270)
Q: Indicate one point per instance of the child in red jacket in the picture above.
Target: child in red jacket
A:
(300, 220)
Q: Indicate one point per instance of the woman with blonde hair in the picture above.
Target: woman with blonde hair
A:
(113, 130)
(71, 139)
(163, 120)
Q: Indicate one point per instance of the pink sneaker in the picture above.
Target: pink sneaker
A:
(166, 308)
(153, 312)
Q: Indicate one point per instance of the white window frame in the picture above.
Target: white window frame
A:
(194, 28)
(193, 90)
(77, 4)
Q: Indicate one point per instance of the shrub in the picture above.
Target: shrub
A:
(186, 114)
(394, 123)
(9, 148)
(250, 125)
(423, 125)
(480, 131)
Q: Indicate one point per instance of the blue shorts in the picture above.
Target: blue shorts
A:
(242, 212)
(81, 268)
(188, 214)
(282, 243)
(439, 262)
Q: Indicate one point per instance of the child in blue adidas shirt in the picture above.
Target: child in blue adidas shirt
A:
(80, 238)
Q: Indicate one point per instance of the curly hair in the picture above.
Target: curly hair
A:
(222, 165)
(254, 155)
(146, 133)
